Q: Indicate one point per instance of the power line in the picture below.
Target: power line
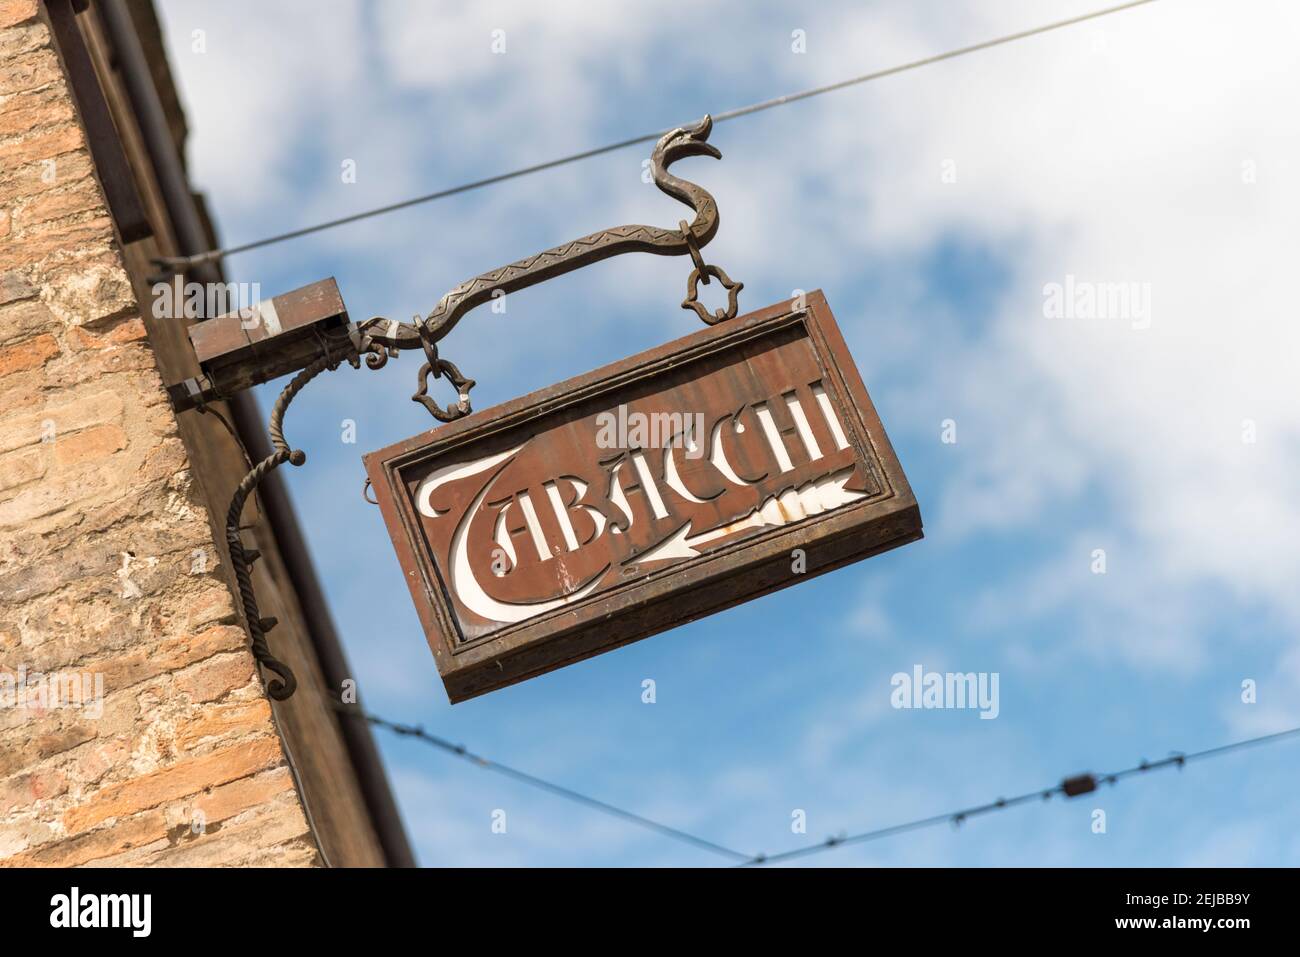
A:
(212, 255)
(1070, 787)
(418, 732)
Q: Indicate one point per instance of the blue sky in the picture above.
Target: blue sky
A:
(1155, 147)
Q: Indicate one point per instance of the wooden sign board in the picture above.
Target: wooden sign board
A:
(735, 461)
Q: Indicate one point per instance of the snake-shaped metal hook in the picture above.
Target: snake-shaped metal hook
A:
(676, 144)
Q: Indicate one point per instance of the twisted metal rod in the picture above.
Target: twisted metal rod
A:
(284, 685)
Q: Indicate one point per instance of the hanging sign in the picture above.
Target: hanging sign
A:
(727, 464)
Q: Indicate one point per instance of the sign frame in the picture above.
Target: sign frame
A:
(691, 589)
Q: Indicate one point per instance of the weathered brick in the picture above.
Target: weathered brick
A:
(22, 318)
(138, 831)
(299, 853)
(128, 330)
(28, 354)
(216, 678)
(164, 461)
(32, 110)
(228, 800)
(96, 569)
(28, 789)
(88, 445)
(278, 826)
(181, 779)
(72, 371)
(170, 655)
(145, 536)
(63, 417)
(237, 718)
(43, 147)
(20, 396)
(33, 745)
(14, 12)
(94, 763)
(212, 605)
(49, 498)
(21, 183)
(14, 287)
(19, 468)
(79, 197)
(21, 835)
(26, 39)
(90, 293)
(27, 71)
(66, 242)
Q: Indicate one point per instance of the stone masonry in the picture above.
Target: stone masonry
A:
(108, 570)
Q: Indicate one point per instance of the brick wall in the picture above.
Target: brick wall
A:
(108, 572)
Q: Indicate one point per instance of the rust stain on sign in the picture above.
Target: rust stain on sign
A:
(641, 496)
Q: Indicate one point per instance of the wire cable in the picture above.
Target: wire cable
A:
(1070, 787)
(418, 732)
(1074, 786)
(184, 262)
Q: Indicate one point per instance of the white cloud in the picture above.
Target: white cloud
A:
(1127, 167)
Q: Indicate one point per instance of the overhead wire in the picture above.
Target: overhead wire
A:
(1070, 787)
(460, 751)
(1074, 786)
(212, 255)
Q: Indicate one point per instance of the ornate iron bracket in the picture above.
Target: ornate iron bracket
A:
(441, 367)
(701, 274)
(384, 337)
(379, 339)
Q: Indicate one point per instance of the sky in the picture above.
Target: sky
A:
(944, 212)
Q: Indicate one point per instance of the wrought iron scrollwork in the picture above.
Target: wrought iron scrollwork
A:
(438, 368)
(283, 685)
(386, 337)
(702, 274)
(379, 339)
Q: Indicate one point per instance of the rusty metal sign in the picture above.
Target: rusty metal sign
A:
(646, 494)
